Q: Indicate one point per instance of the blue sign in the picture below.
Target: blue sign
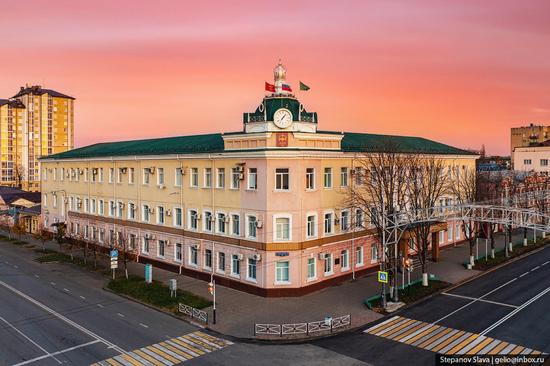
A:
(148, 273)
(382, 276)
(281, 254)
(114, 253)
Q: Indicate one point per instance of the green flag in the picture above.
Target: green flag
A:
(303, 86)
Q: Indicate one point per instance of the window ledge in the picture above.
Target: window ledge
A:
(344, 269)
(220, 272)
(359, 265)
(311, 279)
(326, 274)
(238, 276)
(252, 280)
(193, 265)
(282, 283)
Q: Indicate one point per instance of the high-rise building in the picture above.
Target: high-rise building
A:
(526, 136)
(35, 122)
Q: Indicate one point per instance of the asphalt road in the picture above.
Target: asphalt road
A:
(506, 309)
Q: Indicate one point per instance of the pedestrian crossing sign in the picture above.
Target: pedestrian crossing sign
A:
(382, 276)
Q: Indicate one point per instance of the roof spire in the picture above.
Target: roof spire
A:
(279, 76)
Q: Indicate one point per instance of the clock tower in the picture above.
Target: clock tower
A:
(280, 111)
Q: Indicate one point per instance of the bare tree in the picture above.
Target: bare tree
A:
(60, 235)
(18, 175)
(536, 184)
(19, 228)
(465, 191)
(490, 190)
(43, 235)
(378, 190)
(427, 183)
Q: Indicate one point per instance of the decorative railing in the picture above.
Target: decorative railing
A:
(193, 312)
(328, 325)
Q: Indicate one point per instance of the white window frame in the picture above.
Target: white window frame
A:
(195, 251)
(164, 245)
(247, 227)
(175, 216)
(131, 213)
(131, 175)
(205, 220)
(344, 172)
(310, 179)
(218, 256)
(282, 216)
(232, 216)
(220, 178)
(374, 250)
(145, 214)
(190, 218)
(248, 264)
(235, 181)
(252, 172)
(217, 222)
(161, 215)
(327, 178)
(342, 227)
(328, 256)
(207, 183)
(160, 177)
(359, 256)
(311, 260)
(194, 174)
(315, 225)
(281, 281)
(204, 265)
(333, 222)
(282, 180)
(178, 177)
(347, 256)
(232, 272)
(180, 245)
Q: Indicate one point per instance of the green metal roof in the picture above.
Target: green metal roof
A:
(213, 143)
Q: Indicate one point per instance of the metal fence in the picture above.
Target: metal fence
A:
(327, 325)
(193, 313)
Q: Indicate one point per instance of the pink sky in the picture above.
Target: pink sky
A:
(460, 72)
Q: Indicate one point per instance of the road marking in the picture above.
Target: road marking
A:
(47, 354)
(143, 325)
(62, 317)
(473, 298)
(473, 301)
(52, 283)
(82, 297)
(525, 274)
(66, 290)
(169, 352)
(534, 269)
(57, 353)
(520, 308)
(121, 315)
(15, 266)
(438, 339)
(101, 306)
(545, 263)
(37, 276)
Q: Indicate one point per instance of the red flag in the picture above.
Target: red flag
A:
(269, 87)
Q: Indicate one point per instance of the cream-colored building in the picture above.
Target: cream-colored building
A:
(527, 136)
(533, 158)
(261, 208)
(35, 122)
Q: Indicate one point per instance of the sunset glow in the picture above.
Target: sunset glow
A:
(462, 73)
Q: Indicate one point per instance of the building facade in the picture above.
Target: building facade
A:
(260, 209)
(35, 122)
(534, 158)
(527, 136)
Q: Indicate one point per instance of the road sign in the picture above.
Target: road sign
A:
(114, 253)
(114, 263)
(382, 276)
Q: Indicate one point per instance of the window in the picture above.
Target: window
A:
(208, 178)
(178, 254)
(132, 241)
(101, 175)
(311, 270)
(235, 265)
(235, 225)
(359, 219)
(329, 223)
(62, 175)
(93, 205)
(193, 219)
(145, 247)
(145, 213)
(221, 262)
(442, 236)
(282, 228)
(46, 200)
(220, 178)
(131, 176)
(120, 206)
(457, 232)
(208, 258)
(146, 175)
(178, 177)
(221, 223)
(543, 162)
(282, 179)
(160, 249)
(328, 178)
(160, 215)
(344, 259)
(328, 264)
(101, 207)
(253, 178)
(311, 226)
(235, 178)
(251, 227)
(310, 178)
(178, 216)
(358, 256)
(527, 161)
(282, 272)
(208, 218)
(193, 255)
(343, 177)
(111, 175)
(374, 253)
(86, 232)
(131, 211)
(160, 176)
(344, 220)
(54, 200)
(86, 205)
(119, 174)
(102, 238)
(86, 171)
(112, 208)
(194, 177)
(251, 270)
(450, 233)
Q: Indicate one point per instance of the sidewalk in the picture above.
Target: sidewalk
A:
(238, 311)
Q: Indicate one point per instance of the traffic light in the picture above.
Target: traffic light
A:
(211, 288)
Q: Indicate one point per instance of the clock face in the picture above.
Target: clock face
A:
(282, 118)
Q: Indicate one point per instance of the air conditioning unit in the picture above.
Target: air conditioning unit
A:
(121, 204)
(81, 172)
(241, 176)
(162, 186)
(196, 246)
(240, 256)
(240, 169)
(322, 256)
(182, 171)
(151, 170)
(168, 212)
(149, 237)
(257, 257)
(94, 171)
(123, 170)
(259, 224)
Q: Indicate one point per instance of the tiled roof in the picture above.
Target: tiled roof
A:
(213, 143)
(36, 90)
(13, 103)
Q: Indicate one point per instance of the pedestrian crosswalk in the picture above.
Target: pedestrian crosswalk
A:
(443, 340)
(169, 352)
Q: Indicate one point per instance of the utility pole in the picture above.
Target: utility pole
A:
(212, 290)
